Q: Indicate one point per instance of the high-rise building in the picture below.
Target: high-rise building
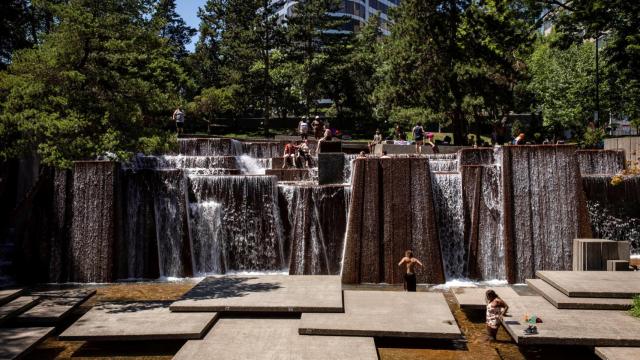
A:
(358, 10)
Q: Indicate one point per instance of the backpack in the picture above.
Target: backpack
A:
(418, 131)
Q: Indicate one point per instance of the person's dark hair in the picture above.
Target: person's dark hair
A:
(491, 295)
(408, 253)
(384, 152)
(418, 124)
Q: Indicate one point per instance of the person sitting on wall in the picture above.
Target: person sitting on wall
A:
(377, 139)
(303, 154)
(430, 142)
(362, 155)
(384, 155)
(519, 140)
(398, 134)
(289, 155)
(328, 136)
(410, 275)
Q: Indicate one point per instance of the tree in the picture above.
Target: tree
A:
(562, 82)
(315, 39)
(172, 27)
(442, 52)
(101, 81)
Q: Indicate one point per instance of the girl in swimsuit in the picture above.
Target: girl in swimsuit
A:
(496, 309)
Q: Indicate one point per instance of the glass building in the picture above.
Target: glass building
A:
(358, 10)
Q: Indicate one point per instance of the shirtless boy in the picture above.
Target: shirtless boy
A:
(410, 276)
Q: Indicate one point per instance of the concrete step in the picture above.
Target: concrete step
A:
(289, 174)
(562, 301)
(276, 163)
(16, 343)
(8, 295)
(16, 307)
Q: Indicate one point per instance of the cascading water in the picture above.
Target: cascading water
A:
(447, 198)
(250, 228)
(206, 230)
(252, 166)
(348, 166)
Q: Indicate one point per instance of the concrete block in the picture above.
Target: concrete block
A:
(562, 301)
(289, 174)
(16, 307)
(593, 254)
(330, 168)
(388, 314)
(273, 339)
(624, 250)
(7, 295)
(603, 284)
(330, 146)
(618, 353)
(18, 342)
(138, 321)
(264, 293)
(618, 265)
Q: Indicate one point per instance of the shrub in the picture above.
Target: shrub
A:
(635, 310)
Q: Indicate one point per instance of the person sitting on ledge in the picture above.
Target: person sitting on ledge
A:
(289, 154)
(384, 155)
(377, 139)
(410, 276)
(303, 154)
(496, 309)
(362, 155)
(328, 136)
(430, 142)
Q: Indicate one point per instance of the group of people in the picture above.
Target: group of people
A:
(317, 127)
(297, 154)
(420, 137)
(496, 307)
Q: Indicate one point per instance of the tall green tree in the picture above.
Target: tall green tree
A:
(101, 81)
(443, 55)
(173, 27)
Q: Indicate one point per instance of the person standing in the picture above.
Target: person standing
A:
(178, 117)
(318, 127)
(377, 139)
(410, 263)
(328, 136)
(303, 128)
(496, 310)
(418, 137)
(431, 143)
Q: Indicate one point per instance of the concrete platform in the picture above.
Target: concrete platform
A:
(474, 298)
(138, 321)
(273, 339)
(289, 174)
(562, 301)
(569, 327)
(606, 284)
(49, 311)
(16, 307)
(386, 314)
(17, 342)
(7, 295)
(64, 293)
(618, 353)
(264, 293)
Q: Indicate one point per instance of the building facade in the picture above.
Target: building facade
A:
(358, 10)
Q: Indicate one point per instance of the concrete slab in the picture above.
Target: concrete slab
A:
(606, 284)
(16, 306)
(474, 298)
(49, 311)
(618, 353)
(64, 293)
(569, 327)
(386, 314)
(7, 295)
(138, 321)
(264, 293)
(562, 301)
(273, 339)
(17, 342)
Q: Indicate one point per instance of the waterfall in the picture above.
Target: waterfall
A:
(600, 162)
(348, 166)
(252, 166)
(490, 255)
(447, 198)
(250, 226)
(206, 229)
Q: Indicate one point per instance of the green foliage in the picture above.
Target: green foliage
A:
(635, 310)
(407, 118)
(101, 81)
(563, 83)
(593, 137)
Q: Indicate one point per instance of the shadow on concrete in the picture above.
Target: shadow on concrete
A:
(227, 287)
(118, 308)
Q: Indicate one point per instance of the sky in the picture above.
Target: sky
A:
(188, 9)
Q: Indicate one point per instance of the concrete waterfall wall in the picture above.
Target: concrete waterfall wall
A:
(391, 211)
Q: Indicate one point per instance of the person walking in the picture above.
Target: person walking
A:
(303, 128)
(178, 117)
(431, 143)
(496, 310)
(410, 263)
(418, 137)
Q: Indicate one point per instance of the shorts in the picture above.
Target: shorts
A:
(418, 138)
(179, 124)
(410, 282)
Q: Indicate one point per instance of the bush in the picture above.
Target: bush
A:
(635, 310)
(592, 138)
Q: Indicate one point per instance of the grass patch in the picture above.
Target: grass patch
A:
(635, 310)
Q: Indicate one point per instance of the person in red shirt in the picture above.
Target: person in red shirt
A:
(289, 154)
